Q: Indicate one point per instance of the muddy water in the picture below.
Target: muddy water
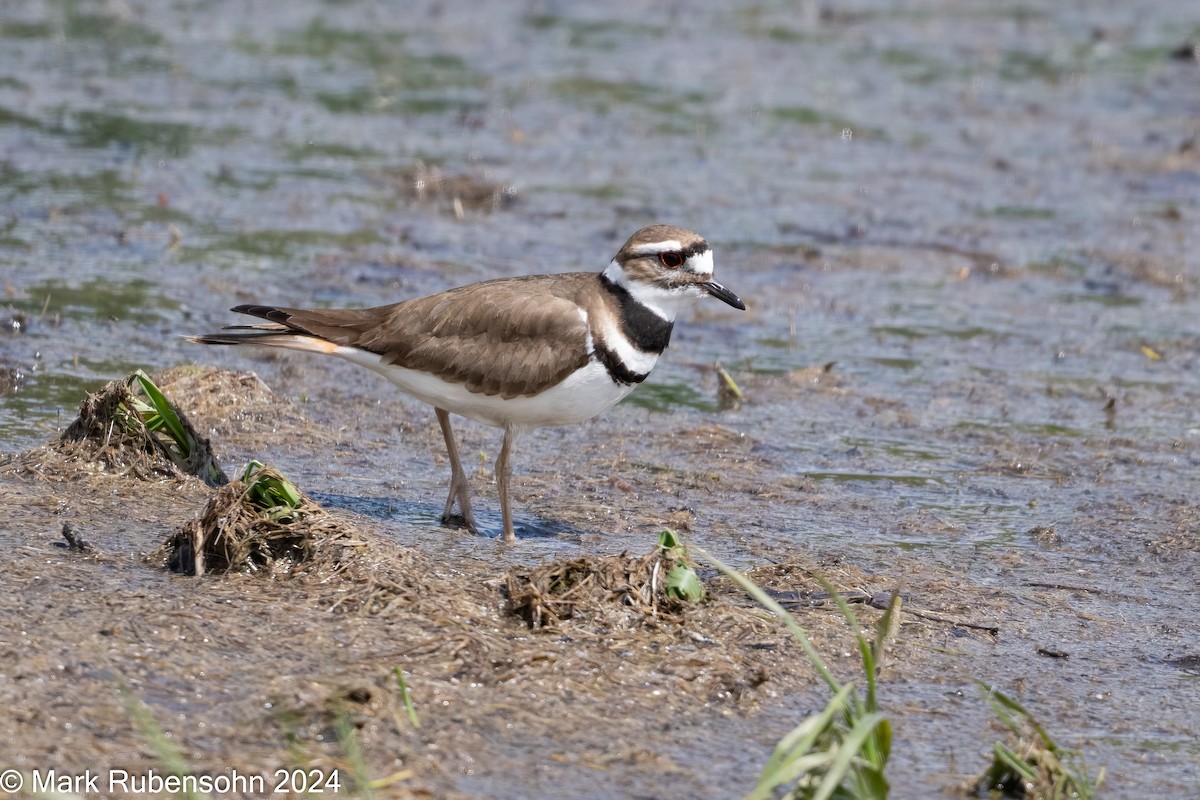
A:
(985, 217)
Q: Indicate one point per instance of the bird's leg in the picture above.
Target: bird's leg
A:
(503, 474)
(458, 479)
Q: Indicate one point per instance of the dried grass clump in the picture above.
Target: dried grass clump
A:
(127, 433)
(236, 534)
(593, 585)
(227, 403)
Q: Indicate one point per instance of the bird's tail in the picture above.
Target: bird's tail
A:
(329, 331)
(267, 336)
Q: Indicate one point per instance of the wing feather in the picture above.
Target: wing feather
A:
(511, 337)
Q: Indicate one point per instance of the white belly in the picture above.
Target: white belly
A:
(580, 396)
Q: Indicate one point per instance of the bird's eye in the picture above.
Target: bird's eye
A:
(672, 259)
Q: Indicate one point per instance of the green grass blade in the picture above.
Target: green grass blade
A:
(792, 771)
(166, 750)
(1006, 756)
(869, 782)
(864, 647)
(785, 763)
(682, 582)
(270, 492)
(843, 762)
(287, 492)
(252, 466)
(1052, 770)
(879, 747)
(1000, 702)
(768, 602)
(406, 696)
(845, 746)
(165, 411)
(361, 775)
(888, 628)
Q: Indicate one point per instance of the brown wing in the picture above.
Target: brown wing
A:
(511, 337)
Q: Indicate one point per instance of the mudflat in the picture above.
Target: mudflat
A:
(970, 369)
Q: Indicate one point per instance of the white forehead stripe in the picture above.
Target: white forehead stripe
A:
(654, 248)
(701, 263)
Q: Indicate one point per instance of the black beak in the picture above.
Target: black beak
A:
(721, 293)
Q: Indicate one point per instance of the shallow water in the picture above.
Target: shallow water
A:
(985, 215)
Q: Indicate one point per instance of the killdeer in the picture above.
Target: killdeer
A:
(517, 353)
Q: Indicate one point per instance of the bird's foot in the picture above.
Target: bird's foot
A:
(451, 520)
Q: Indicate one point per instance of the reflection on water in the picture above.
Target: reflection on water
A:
(427, 515)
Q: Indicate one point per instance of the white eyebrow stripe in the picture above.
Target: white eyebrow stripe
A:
(657, 247)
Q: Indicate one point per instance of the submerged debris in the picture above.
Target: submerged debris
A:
(74, 541)
(454, 193)
(13, 321)
(11, 379)
(1189, 50)
(260, 522)
(729, 394)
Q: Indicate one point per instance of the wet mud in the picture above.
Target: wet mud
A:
(264, 665)
(969, 372)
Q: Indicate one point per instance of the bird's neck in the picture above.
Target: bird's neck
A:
(645, 327)
(663, 302)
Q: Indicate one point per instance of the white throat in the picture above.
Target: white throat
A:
(665, 303)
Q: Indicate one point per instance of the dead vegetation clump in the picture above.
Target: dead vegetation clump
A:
(240, 531)
(262, 524)
(623, 591)
(723, 647)
(127, 428)
(230, 403)
(596, 586)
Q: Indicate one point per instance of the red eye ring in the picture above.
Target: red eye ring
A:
(672, 259)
